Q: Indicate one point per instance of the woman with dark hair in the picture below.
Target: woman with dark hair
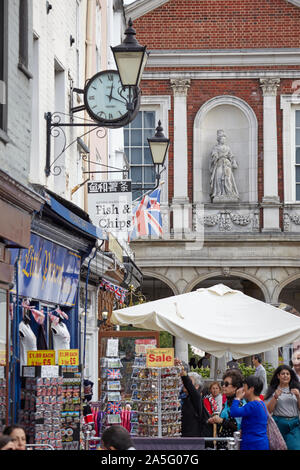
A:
(18, 435)
(254, 415)
(283, 401)
(227, 424)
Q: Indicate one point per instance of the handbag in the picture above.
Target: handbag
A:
(276, 441)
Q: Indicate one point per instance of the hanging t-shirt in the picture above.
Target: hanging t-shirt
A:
(27, 342)
(61, 336)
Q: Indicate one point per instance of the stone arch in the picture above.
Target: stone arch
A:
(162, 278)
(239, 122)
(279, 288)
(233, 273)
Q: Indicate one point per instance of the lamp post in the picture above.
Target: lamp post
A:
(159, 145)
(130, 58)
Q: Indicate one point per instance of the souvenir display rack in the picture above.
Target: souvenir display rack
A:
(41, 404)
(71, 407)
(111, 386)
(156, 409)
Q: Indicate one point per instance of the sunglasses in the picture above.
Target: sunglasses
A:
(225, 384)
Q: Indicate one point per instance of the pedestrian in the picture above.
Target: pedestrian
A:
(233, 364)
(116, 437)
(192, 363)
(227, 424)
(6, 443)
(260, 371)
(254, 415)
(194, 414)
(204, 361)
(18, 435)
(213, 402)
(283, 401)
(296, 362)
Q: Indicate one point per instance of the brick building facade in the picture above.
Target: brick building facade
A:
(232, 66)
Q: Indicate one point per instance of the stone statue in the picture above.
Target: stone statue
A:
(222, 164)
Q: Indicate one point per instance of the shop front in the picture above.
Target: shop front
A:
(18, 204)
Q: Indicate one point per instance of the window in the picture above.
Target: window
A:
(297, 153)
(23, 38)
(142, 170)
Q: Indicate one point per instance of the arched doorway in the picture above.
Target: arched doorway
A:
(234, 282)
(289, 300)
(154, 289)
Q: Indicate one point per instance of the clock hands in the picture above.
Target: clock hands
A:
(116, 99)
(110, 94)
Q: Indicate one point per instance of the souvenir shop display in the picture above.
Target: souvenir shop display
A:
(2, 398)
(71, 407)
(111, 385)
(156, 410)
(41, 405)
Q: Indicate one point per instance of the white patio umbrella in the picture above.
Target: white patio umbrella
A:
(216, 320)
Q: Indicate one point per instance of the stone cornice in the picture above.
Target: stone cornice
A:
(19, 195)
(295, 2)
(220, 74)
(223, 57)
(142, 7)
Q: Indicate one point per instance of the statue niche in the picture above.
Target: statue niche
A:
(221, 166)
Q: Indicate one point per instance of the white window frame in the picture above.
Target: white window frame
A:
(289, 104)
(161, 104)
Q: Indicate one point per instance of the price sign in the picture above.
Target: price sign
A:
(160, 357)
(41, 358)
(68, 357)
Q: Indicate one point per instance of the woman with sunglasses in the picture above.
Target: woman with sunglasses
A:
(283, 401)
(254, 415)
(227, 424)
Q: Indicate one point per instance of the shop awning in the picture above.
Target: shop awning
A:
(70, 216)
(216, 320)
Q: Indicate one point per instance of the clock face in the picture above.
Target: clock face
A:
(105, 98)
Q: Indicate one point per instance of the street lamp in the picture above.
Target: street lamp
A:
(130, 58)
(159, 145)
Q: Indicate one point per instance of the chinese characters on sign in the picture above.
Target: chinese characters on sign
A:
(109, 205)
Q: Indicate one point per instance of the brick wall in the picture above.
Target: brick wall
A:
(220, 24)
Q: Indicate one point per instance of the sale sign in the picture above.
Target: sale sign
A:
(41, 358)
(68, 357)
(160, 357)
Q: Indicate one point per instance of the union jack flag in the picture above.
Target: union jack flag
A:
(114, 408)
(112, 374)
(146, 217)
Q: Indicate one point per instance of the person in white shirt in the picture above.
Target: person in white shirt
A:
(296, 362)
(260, 371)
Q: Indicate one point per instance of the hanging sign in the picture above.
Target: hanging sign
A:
(48, 272)
(41, 358)
(160, 357)
(109, 205)
(68, 357)
(142, 345)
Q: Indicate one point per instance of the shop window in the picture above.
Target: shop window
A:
(142, 172)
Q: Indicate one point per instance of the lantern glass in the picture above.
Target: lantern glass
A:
(130, 66)
(158, 151)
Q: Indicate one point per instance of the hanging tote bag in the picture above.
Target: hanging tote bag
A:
(276, 441)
